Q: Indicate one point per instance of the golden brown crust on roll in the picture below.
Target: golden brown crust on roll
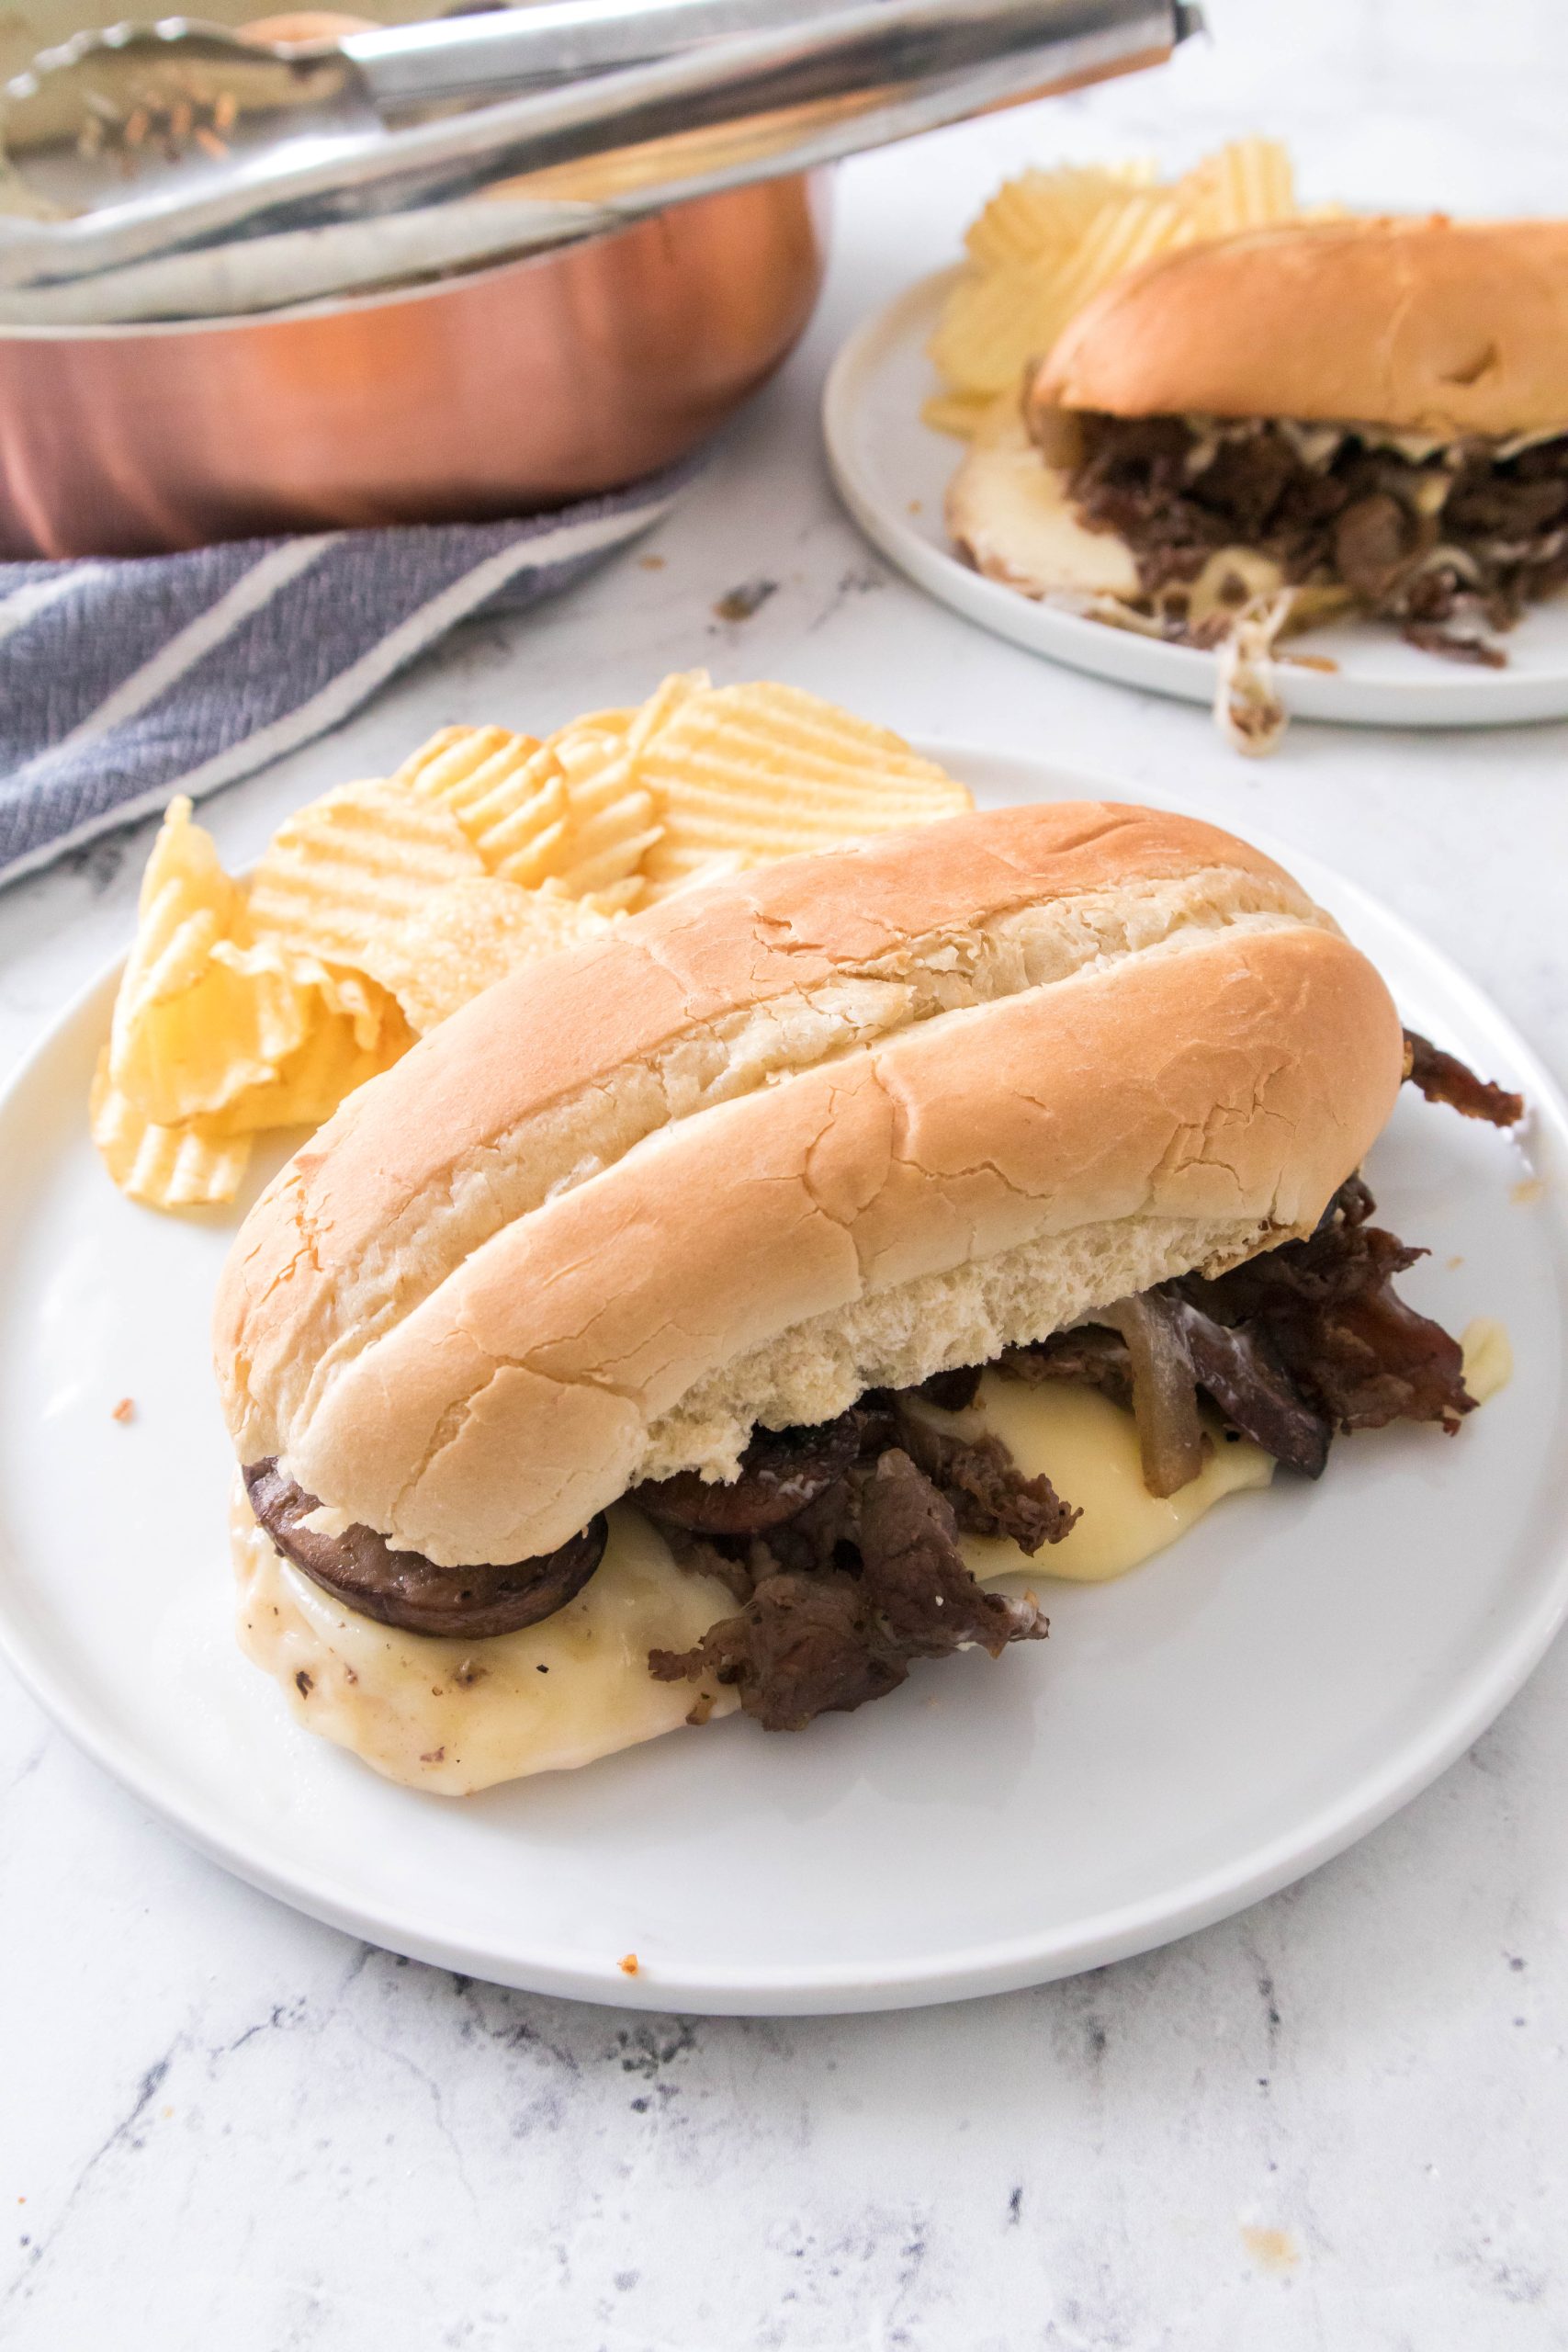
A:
(557, 1071)
(1010, 1067)
(1428, 326)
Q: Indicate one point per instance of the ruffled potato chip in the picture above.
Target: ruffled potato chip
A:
(309, 1085)
(352, 865)
(1043, 212)
(1048, 242)
(1248, 184)
(615, 721)
(997, 321)
(661, 705)
(189, 1165)
(191, 1030)
(195, 1052)
(470, 935)
(960, 413)
(763, 771)
(453, 766)
(506, 791)
(611, 823)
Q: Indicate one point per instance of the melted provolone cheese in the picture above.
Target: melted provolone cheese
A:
(1214, 590)
(1317, 445)
(1089, 1449)
(1008, 506)
(454, 1716)
(1488, 1357)
(1010, 509)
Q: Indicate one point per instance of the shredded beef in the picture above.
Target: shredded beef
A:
(802, 1646)
(1089, 1355)
(1351, 1205)
(824, 1537)
(1355, 1351)
(1297, 1343)
(1373, 540)
(1443, 1078)
(866, 1575)
(702, 1555)
(977, 1478)
(821, 1642)
(841, 1543)
(954, 1391)
(1452, 547)
(927, 1602)
(1458, 635)
(987, 1492)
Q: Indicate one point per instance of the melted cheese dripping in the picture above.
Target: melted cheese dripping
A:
(1488, 1357)
(1007, 505)
(1011, 511)
(454, 1716)
(1089, 1449)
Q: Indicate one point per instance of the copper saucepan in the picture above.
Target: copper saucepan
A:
(489, 394)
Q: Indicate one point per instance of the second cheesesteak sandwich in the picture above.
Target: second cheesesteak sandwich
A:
(708, 1315)
(1324, 417)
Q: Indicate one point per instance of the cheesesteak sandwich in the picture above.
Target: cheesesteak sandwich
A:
(1358, 415)
(709, 1315)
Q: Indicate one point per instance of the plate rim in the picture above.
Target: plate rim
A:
(970, 1970)
(1454, 696)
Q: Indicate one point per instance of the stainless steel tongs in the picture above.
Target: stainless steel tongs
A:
(632, 139)
(116, 112)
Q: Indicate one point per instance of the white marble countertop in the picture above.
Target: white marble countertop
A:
(1340, 2120)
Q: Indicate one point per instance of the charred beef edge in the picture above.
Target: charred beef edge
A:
(1443, 1078)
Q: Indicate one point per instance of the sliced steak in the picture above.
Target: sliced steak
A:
(781, 1472)
(1357, 1354)
(1450, 546)
(983, 1486)
(1443, 1078)
(1089, 1355)
(927, 1601)
(813, 1642)
(1374, 542)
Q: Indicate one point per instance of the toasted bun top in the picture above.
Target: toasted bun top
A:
(842, 1121)
(1428, 326)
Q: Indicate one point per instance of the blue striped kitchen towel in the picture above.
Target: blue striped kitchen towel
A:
(126, 680)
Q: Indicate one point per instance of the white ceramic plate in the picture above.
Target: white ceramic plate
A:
(1187, 1739)
(891, 470)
